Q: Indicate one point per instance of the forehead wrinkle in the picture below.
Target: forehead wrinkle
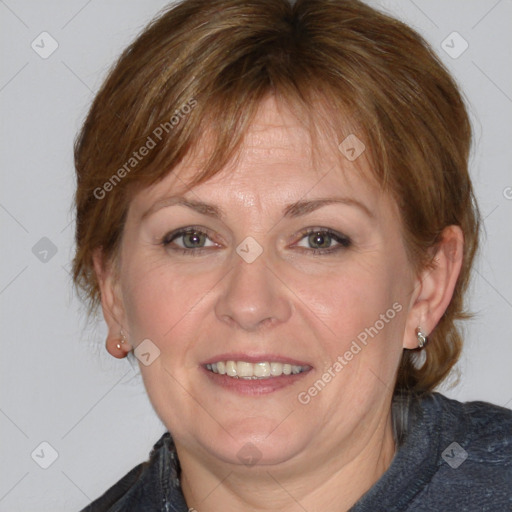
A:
(274, 142)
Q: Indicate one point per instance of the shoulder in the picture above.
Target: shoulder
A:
(140, 487)
(108, 500)
(473, 455)
(484, 428)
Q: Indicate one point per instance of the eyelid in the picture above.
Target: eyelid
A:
(168, 238)
(342, 241)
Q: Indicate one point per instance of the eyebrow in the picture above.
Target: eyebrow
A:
(293, 210)
(304, 207)
(198, 206)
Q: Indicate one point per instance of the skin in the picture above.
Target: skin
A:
(322, 455)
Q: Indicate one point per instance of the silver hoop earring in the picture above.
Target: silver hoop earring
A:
(421, 337)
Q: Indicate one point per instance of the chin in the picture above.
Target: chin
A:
(253, 443)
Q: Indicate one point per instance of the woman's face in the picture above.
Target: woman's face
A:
(269, 268)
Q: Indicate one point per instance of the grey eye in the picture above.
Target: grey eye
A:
(193, 239)
(188, 239)
(322, 239)
(319, 240)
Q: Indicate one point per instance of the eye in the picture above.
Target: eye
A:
(188, 239)
(323, 240)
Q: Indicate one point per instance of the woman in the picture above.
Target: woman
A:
(275, 213)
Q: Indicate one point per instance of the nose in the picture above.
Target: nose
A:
(253, 296)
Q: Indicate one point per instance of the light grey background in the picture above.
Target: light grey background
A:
(58, 385)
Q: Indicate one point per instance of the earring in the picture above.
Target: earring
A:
(122, 340)
(421, 337)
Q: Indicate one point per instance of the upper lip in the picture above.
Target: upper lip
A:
(254, 358)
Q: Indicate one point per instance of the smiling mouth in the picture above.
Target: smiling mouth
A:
(253, 371)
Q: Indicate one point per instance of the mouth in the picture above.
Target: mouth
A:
(239, 369)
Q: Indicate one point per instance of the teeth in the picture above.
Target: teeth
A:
(276, 369)
(230, 368)
(262, 370)
(243, 369)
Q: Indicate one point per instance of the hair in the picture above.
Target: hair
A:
(205, 67)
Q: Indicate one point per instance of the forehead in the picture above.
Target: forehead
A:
(278, 162)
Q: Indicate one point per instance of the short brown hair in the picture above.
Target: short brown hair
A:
(206, 67)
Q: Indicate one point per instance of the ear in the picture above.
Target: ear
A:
(111, 305)
(434, 287)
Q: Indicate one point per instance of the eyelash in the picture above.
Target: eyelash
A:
(170, 237)
(343, 241)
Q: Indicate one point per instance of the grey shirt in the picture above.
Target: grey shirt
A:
(451, 456)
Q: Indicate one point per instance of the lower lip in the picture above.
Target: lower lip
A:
(254, 386)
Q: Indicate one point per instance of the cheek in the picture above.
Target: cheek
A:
(358, 316)
(159, 299)
(346, 302)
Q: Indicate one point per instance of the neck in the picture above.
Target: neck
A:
(330, 480)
